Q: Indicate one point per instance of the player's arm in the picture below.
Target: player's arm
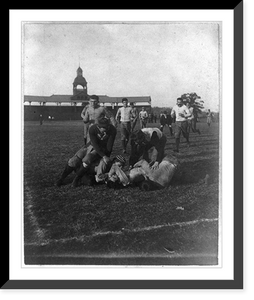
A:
(187, 113)
(86, 116)
(132, 116)
(109, 115)
(160, 147)
(173, 113)
(111, 140)
(118, 114)
(111, 171)
(83, 113)
(135, 114)
(94, 141)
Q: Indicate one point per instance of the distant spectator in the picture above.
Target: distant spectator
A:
(163, 120)
(209, 116)
(41, 119)
(152, 117)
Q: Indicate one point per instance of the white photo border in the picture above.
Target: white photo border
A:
(225, 272)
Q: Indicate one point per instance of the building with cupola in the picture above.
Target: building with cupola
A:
(69, 107)
(80, 93)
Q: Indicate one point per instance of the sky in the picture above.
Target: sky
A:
(159, 59)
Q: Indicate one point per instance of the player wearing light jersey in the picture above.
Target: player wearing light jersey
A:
(181, 114)
(125, 115)
(149, 132)
(143, 116)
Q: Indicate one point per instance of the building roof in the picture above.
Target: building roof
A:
(107, 99)
(59, 98)
(35, 98)
(52, 98)
(67, 98)
(79, 80)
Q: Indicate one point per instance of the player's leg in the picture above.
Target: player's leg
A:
(67, 170)
(84, 167)
(170, 129)
(86, 128)
(73, 164)
(127, 133)
(184, 129)
(123, 136)
(195, 129)
(177, 135)
(133, 124)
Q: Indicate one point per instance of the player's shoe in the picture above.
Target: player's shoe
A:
(59, 182)
(76, 182)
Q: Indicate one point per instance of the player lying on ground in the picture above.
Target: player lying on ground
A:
(141, 174)
(116, 177)
(158, 178)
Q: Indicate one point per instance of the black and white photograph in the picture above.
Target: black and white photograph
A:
(121, 143)
(126, 161)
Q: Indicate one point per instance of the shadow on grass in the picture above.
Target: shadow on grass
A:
(189, 173)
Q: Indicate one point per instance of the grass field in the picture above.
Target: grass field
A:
(96, 225)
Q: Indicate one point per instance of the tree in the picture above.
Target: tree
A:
(195, 101)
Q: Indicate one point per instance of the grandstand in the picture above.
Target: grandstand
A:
(69, 107)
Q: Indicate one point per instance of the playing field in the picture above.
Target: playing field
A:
(96, 225)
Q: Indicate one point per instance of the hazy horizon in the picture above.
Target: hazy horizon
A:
(162, 60)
